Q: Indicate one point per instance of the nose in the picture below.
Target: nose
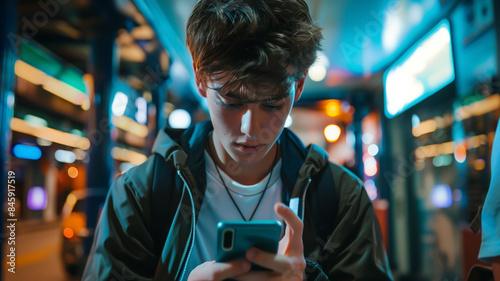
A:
(250, 124)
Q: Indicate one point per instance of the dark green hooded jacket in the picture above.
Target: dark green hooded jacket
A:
(146, 227)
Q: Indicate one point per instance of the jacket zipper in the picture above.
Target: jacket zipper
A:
(302, 198)
(193, 220)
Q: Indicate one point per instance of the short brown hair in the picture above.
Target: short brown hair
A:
(258, 43)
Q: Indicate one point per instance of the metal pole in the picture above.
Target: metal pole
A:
(103, 66)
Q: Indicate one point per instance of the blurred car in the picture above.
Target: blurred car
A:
(74, 226)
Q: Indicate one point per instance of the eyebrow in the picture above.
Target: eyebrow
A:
(233, 95)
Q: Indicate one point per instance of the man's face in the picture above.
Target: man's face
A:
(247, 128)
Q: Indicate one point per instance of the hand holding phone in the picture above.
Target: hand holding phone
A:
(235, 238)
(289, 263)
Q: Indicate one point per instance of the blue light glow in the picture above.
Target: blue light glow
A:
(441, 196)
(373, 149)
(371, 189)
(142, 110)
(27, 152)
(179, 119)
(415, 120)
(119, 104)
(423, 70)
(65, 156)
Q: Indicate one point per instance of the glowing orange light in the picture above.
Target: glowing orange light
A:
(127, 155)
(130, 125)
(29, 73)
(68, 233)
(72, 172)
(333, 108)
(460, 153)
(53, 135)
(479, 164)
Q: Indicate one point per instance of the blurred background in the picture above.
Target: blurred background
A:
(405, 94)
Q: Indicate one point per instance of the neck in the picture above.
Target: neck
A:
(242, 173)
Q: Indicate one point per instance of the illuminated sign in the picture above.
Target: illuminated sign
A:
(423, 70)
(27, 152)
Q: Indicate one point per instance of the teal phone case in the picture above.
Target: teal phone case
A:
(264, 235)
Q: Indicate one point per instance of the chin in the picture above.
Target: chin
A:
(247, 159)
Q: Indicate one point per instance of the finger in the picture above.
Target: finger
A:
(294, 224)
(276, 263)
(219, 270)
(259, 275)
(224, 270)
(289, 216)
(270, 276)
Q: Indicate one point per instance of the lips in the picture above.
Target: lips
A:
(249, 148)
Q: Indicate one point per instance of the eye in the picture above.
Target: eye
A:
(273, 106)
(229, 105)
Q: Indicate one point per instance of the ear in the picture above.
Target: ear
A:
(299, 86)
(199, 85)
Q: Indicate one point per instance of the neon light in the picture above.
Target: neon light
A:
(371, 189)
(179, 119)
(64, 91)
(43, 142)
(460, 153)
(119, 104)
(332, 132)
(423, 70)
(367, 138)
(441, 196)
(333, 108)
(317, 71)
(130, 125)
(35, 120)
(373, 149)
(37, 198)
(142, 110)
(370, 167)
(19, 125)
(72, 172)
(65, 156)
(68, 233)
(27, 152)
(442, 160)
(126, 155)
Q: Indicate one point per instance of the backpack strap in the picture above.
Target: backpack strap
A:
(475, 225)
(324, 201)
(166, 191)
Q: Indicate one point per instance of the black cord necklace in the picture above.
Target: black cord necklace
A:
(229, 193)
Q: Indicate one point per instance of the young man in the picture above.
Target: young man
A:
(250, 59)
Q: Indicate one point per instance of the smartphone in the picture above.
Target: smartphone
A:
(234, 238)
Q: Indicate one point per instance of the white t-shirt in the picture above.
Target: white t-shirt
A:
(217, 206)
